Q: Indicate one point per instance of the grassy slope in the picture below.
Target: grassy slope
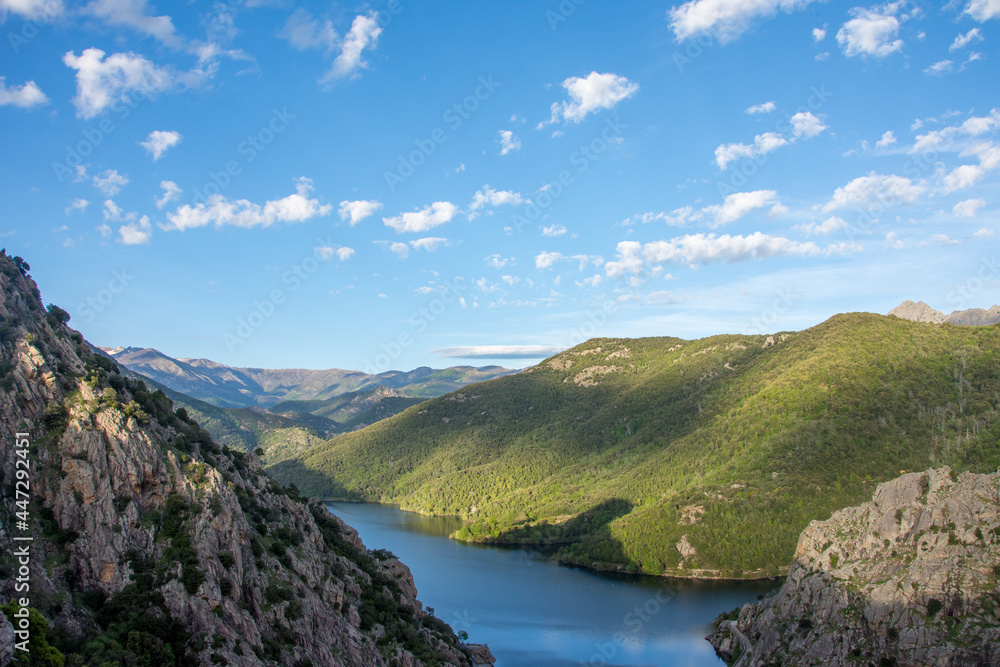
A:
(619, 472)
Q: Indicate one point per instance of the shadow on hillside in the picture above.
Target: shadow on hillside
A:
(584, 539)
(310, 482)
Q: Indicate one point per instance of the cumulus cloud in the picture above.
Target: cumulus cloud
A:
(508, 142)
(498, 351)
(32, 10)
(739, 204)
(102, 82)
(968, 208)
(110, 182)
(825, 228)
(676, 218)
(865, 192)
(553, 230)
(589, 95)
(964, 40)
(725, 19)
(356, 211)
(947, 137)
(983, 10)
(546, 259)
(25, 96)
(983, 233)
(77, 205)
(969, 174)
(136, 233)
(939, 68)
(888, 139)
(430, 244)
(159, 141)
(170, 192)
(362, 36)
(222, 212)
(329, 252)
(400, 249)
(872, 32)
(819, 34)
(763, 144)
(766, 107)
(487, 197)
(424, 219)
(804, 124)
(697, 249)
(137, 15)
(496, 261)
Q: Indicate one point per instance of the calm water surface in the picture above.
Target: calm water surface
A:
(533, 611)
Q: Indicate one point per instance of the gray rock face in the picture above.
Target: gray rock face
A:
(910, 577)
(263, 574)
(921, 312)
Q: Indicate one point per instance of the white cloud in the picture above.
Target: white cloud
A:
(739, 204)
(77, 205)
(983, 10)
(364, 34)
(969, 174)
(696, 249)
(429, 217)
(32, 10)
(242, 213)
(945, 138)
(893, 242)
(110, 182)
(553, 230)
(867, 191)
(676, 218)
(159, 141)
(25, 96)
(508, 142)
(939, 68)
(872, 32)
(964, 40)
(136, 233)
(546, 259)
(766, 107)
(819, 34)
(496, 261)
(488, 197)
(584, 260)
(825, 228)
(137, 15)
(968, 208)
(944, 239)
(590, 94)
(804, 124)
(356, 211)
(510, 280)
(430, 244)
(304, 32)
(983, 233)
(661, 298)
(400, 249)
(100, 82)
(888, 139)
(725, 19)
(170, 192)
(763, 144)
(498, 351)
(340, 252)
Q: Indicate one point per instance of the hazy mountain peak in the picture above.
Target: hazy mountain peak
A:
(917, 312)
(921, 312)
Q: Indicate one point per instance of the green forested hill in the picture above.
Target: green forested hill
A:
(703, 457)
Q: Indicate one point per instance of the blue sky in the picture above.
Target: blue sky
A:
(395, 184)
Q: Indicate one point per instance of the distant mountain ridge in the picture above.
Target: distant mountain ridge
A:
(921, 312)
(235, 387)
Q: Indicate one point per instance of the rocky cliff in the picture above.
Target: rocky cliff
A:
(910, 578)
(921, 312)
(154, 546)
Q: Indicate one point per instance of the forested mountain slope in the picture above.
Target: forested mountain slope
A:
(693, 458)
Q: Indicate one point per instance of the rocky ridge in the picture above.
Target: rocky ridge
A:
(909, 578)
(921, 312)
(153, 545)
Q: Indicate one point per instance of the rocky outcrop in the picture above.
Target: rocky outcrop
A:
(153, 545)
(921, 312)
(910, 578)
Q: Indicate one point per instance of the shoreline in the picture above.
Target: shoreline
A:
(611, 568)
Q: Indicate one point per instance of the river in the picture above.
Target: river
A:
(533, 611)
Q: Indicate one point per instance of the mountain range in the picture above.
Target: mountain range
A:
(696, 458)
(921, 312)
